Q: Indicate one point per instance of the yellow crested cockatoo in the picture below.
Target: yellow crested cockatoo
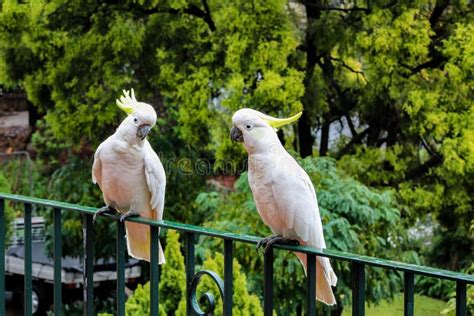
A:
(131, 176)
(283, 192)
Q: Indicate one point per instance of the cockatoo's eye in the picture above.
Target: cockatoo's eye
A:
(135, 120)
(248, 127)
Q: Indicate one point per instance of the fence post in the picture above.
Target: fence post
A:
(189, 270)
(358, 289)
(154, 272)
(311, 284)
(268, 282)
(2, 257)
(461, 309)
(27, 261)
(120, 268)
(88, 274)
(57, 262)
(408, 294)
(228, 277)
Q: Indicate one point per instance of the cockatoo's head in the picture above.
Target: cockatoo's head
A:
(141, 118)
(257, 130)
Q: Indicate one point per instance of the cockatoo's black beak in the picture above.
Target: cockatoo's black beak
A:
(236, 135)
(143, 131)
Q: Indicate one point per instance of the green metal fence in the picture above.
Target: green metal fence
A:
(225, 286)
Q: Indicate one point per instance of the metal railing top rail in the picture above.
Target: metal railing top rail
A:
(340, 255)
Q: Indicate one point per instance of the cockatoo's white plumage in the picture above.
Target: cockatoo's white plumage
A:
(130, 174)
(283, 192)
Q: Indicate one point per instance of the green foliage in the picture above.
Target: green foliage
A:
(355, 219)
(173, 281)
(424, 305)
(9, 213)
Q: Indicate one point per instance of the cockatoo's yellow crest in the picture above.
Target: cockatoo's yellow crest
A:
(277, 122)
(126, 102)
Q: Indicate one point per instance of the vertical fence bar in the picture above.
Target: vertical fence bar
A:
(120, 269)
(57, 262)
(311, 284)
(189, 270)
(88, 283)
(461, 309)
(358, 289)
(154, 273)
(268, 283)
(409, 294)
(228, 277)
(2, 257)
(27, 260)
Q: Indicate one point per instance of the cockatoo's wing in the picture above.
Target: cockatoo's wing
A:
(97, 166)
(296, 202)
(155, 179)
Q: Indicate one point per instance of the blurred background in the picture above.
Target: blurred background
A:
(387, 132)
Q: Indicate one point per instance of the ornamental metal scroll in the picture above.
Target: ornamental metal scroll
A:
(207, 298)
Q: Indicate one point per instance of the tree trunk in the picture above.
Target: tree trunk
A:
(324, 146)
(305, 138)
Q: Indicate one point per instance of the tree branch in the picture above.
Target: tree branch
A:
(350, 68)
(191, 10)
(322, 8)
(351, 125)
(355, 140)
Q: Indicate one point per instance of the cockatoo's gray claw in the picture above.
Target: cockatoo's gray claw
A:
(127, 215)
(268, 242)
(101, 211)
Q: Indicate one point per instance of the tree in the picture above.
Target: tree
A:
(395, 77)
(9, 213)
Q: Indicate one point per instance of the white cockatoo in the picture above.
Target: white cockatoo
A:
(283, 192)
(131, 176)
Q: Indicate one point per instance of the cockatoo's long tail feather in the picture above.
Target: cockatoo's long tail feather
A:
(325, 277)
(138, 242)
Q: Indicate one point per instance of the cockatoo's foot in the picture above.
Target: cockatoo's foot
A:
(268, 242)
(103, 210)
(127, 215)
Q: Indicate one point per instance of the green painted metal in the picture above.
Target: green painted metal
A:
(461, 308)
(334, 254)
(358, 289)
(228, 277)
(311, 285)
(409, 294)
(27, 303)
(358, 261)
(120, 268)
(57, 262)
(154, 272)
(207, 299)
(2, 257)
(268, 282)
(88, 282)
(189, 269)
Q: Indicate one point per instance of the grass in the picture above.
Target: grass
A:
(424, 305)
